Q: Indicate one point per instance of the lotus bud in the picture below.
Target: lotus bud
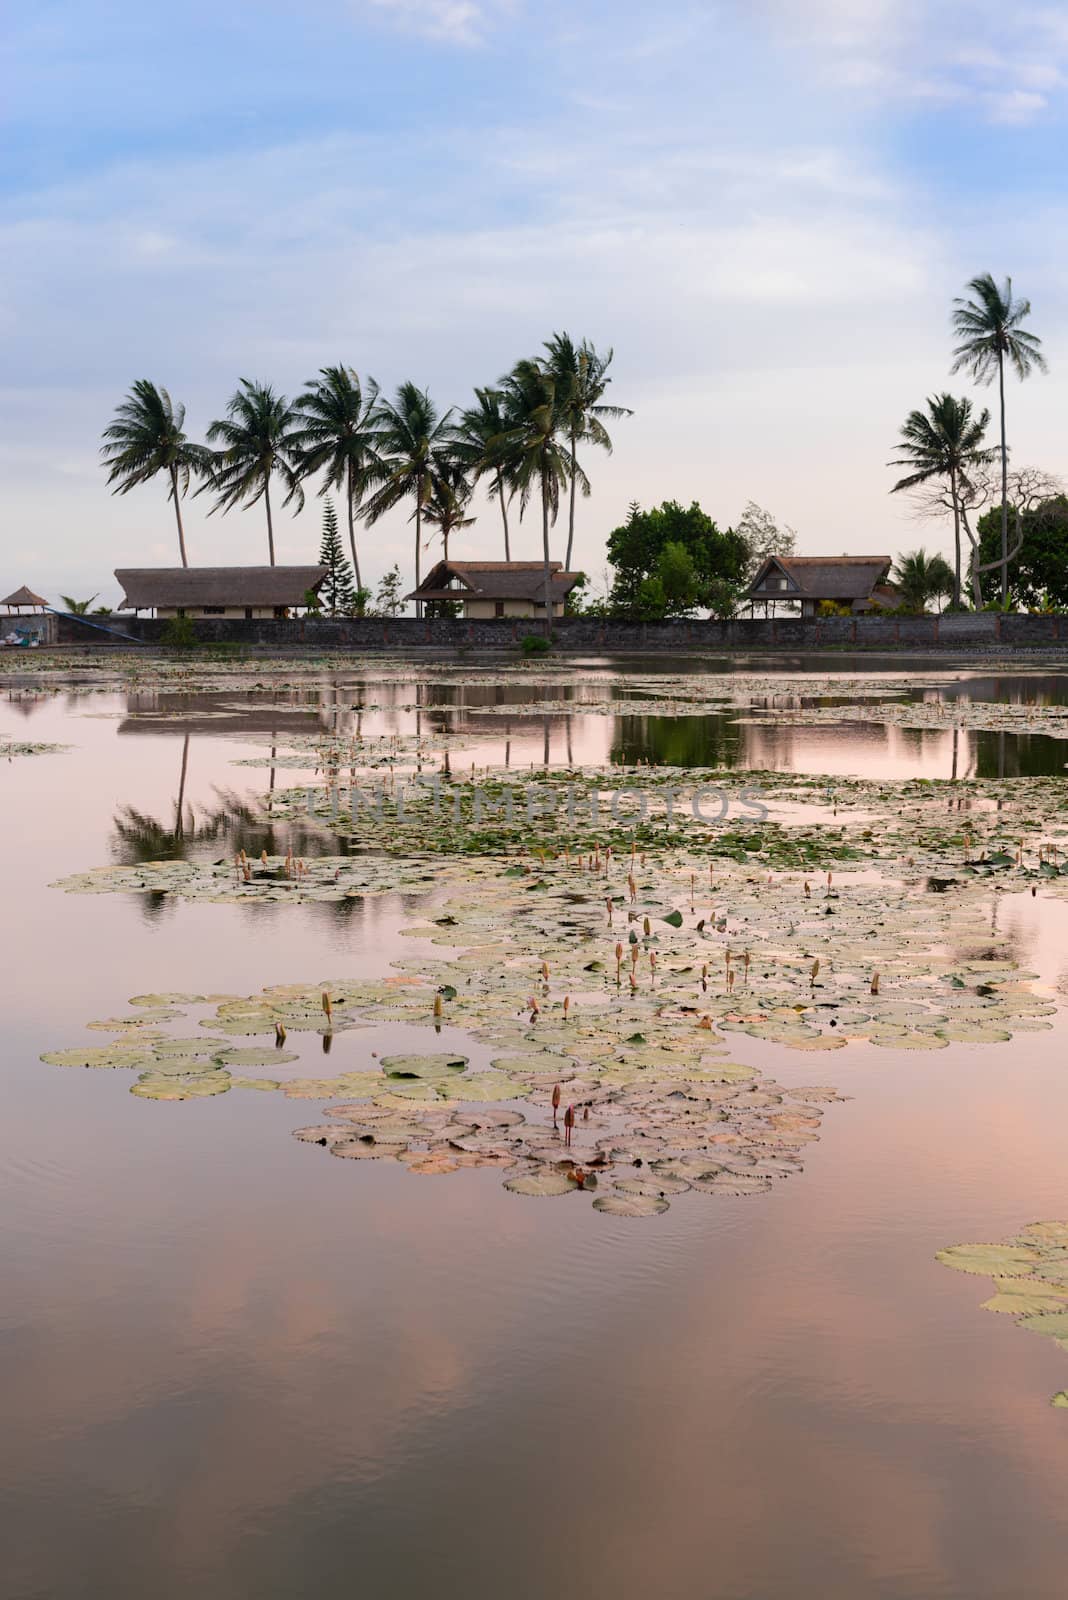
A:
(875, 983)
(437, 1005)
(808, 891)
(263, 858)
(327, 1007)
(647, 927)
(567, 1005)
(608, 907)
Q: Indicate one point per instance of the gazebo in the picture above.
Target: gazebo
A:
(23, 600)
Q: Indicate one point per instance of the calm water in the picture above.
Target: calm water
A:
(233, 1367)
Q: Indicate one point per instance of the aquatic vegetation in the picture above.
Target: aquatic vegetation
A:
(1030, 1277)
(10, 748)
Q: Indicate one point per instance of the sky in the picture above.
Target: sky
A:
(764, 207)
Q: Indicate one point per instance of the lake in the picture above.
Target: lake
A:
(231, 1365)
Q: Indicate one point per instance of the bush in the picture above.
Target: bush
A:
(179, 633)
(535, 644)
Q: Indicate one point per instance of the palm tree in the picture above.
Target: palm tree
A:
(945, 441)
(482, 447)
(990, 328)
(581, 378)
(336, 435)
(147, 437)
(920, 578)
(413, 440)
(535, 457)
(450, 495)
(260, 441)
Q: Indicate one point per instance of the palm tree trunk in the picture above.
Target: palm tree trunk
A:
(352, 529)
(270, 524)
(418, 542)
(178, 515)
(1004, 487)
(956, 539)
(571, 507)
(504, 513)
(545, 555)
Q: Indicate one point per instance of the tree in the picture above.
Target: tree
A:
(413, 440)
(450, 495)
(580, 378)
(336, 592)
(481, 446)
(535, 459)
(945, 442)
(336, 435)
(763, 536)
(635, 549)
(674, 588)
(991, 332)
(1040, 573)
(388, 599)
(80, 608)
(921, 578)
(260, 441)
(148, 437)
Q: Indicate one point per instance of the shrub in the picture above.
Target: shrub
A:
(535, 644)
(179, 633)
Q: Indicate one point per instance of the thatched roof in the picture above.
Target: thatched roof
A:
(495, 580)
(822, 577)
(217, 586)
(23, 597)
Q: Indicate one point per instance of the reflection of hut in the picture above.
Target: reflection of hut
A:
(33, 628)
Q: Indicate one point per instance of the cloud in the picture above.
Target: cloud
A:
(463, 22)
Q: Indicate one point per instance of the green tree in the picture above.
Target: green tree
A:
(388, 600)
(259, 441)
(991, 333)
(580, 379)
(536, 461)
(413, 441)
(450, 496)
(635, 549)
(77, 608)
(336, 434)
(921, 578)
(337, 592)
(481, 446)
(148, 437)
(945, 443)
(1039, 575)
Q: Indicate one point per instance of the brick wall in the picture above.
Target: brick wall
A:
(984, 630)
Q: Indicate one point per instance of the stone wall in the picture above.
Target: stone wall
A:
(983, 631)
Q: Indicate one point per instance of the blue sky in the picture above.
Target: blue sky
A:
(765, 209)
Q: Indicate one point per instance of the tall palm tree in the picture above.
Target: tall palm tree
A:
(945, 441)
(536, 459)
(413, 440)
(148, 437)
(920, 578)
(991, 332)
(450, 496)
(260, 442)
(580, 376)
(482, 447)
(337, 436)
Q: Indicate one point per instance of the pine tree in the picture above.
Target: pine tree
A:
(337, 592)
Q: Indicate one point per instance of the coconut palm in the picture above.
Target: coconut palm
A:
(946, 442)
(413, 442)
(336, 435)
(482, 448)
(991, 332)
(580, 376)
(920, 578)
(148, 437)
(450, 496)
(536, 460)
(259, 441)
